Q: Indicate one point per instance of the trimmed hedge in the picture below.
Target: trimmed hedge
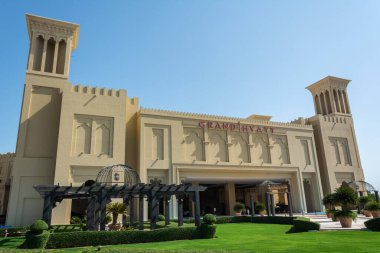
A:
(95, 238)
(209, 219)
(207, 231)
(38, 227)
(302, 225)
(286, 220)
(373, 224)
(36, 241)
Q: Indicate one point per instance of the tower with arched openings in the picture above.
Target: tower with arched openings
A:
(337, 148)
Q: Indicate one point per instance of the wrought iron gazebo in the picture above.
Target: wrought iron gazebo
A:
(121, 181)
(362, 186)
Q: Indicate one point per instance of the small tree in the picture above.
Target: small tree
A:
(328, 201)
(345, 197)
(239, 207)
(115, 209)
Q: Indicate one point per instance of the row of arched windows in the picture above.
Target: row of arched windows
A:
(339, 99)
(50, 51)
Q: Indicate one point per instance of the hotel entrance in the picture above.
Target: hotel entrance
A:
(220, 198)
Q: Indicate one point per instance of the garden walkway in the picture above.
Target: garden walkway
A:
(328, 224)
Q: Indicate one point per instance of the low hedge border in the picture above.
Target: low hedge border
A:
(304, 225)
(373, 224)
(95, 238)
(287, 220)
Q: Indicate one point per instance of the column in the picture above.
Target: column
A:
(67, 57)
(267, 203)
(55, 56)
(131, 211)
(290, 204)
(273, 210)
(197, 207)
(251, 203)
(141, 212)
(48, 207)
(230, 199)
(320, 104)
(180, 210)
(44, 56)
(167, 214)
(32, 51)
(340, 97)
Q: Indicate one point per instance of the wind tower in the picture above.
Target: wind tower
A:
(337, 149)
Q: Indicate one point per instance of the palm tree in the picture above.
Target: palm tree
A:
(115, 209)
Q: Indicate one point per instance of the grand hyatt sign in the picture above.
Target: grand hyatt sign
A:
(235, 127)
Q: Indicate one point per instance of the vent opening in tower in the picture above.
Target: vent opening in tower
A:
(39, 48)
(61, 57)
(50, 55)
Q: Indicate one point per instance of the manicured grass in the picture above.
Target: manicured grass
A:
(247, 237)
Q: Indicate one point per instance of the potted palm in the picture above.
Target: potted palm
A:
(238, 208)
(345, 197)
(328, 202)
(374, 208)
(115, 209)
(363, 201)
(260, 208)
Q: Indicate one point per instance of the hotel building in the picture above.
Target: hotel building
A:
(68, 133)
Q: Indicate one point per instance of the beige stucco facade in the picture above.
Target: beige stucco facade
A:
(6, 165)
(67, 133)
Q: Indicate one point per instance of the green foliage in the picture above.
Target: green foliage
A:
(328, 200)
(14, 231)
(223, 219)
(373, 224)
(259, 207)
(239, 207)
(304, 225)
(207, 231)
(36, 241)
(345, 196)
(38, 227)
(108, 219)
(76, 220)
(161, 217)
(373, 206)
(209, 219)
(94, 238)
(365, 199)
(115, 208)
(343, 213)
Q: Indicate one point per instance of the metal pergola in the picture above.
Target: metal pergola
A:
(99, 195)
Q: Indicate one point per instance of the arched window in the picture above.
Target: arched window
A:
(50, 55)
(328, 102)
(39, 48)
(336, 101)
(323, 102)
(61, 57)
(317, 104)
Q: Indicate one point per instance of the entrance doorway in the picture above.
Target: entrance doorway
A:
(212, 200)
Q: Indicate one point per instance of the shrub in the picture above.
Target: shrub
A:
(223, 219)
(38, 227)
(161, 217)
(239, 207)
(207, 231)
(36, 241)
(350, 214)
(373, 224)
(365, 199)
(373, 206)
(259, 207)
(345, 196)
(328, 201)
(209, 219)
(94, 238)
(302, 225)
(75, 220)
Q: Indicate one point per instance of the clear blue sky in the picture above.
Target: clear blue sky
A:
(231, 58)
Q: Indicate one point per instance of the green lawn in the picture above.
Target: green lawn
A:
(248, 237)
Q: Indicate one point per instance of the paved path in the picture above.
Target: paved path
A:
(328, 224)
